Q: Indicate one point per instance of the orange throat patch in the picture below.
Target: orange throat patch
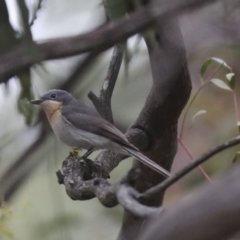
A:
(52, 110)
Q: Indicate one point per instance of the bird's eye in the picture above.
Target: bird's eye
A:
(53, 96)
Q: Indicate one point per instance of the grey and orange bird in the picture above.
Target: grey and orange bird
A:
(80, 126)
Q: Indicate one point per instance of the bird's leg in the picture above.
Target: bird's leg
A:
(88, 153)
(74, 153)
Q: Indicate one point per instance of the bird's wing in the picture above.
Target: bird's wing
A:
(95, 125)
(80, 107)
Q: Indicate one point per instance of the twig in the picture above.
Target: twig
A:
(103, 102)
(235, 105)
(100, 39)
(168, 182)
(192, 158)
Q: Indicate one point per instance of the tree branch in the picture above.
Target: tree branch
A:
(104, 37)
(127, 198)
(78, 187)
(103, 102)
(211, 213)
(158, 118)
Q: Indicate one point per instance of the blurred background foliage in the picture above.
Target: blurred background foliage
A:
(41, 209)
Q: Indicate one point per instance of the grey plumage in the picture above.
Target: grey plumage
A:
(80, 125)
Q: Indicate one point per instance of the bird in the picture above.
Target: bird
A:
(79, 125)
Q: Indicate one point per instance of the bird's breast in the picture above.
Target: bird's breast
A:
(68, 134)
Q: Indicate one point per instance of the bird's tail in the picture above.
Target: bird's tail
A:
(148, 162)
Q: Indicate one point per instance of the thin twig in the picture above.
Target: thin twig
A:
(171, 180)
(194, 97)
(192, 158)
(103, 102)
(236, 105)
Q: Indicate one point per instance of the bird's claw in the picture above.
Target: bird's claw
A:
(74, 153)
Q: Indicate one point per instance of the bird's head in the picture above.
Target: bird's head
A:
(53, 100)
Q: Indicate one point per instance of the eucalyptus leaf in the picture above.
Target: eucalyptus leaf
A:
(221, 84)
(209, 61)
(200, 112)
(231, 80)
(236, 157)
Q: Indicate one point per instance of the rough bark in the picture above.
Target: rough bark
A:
(159, 117)
(211, 213)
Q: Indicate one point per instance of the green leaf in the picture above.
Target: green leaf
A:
(200, 112)
(115, 9)
(24, 106)
(231, 80)
(236, 157)
(221, 84)
(209, 61)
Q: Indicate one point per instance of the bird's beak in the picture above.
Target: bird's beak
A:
(37, 101)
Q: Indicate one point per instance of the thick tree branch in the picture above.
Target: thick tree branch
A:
(212, 213)
(104, 37)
